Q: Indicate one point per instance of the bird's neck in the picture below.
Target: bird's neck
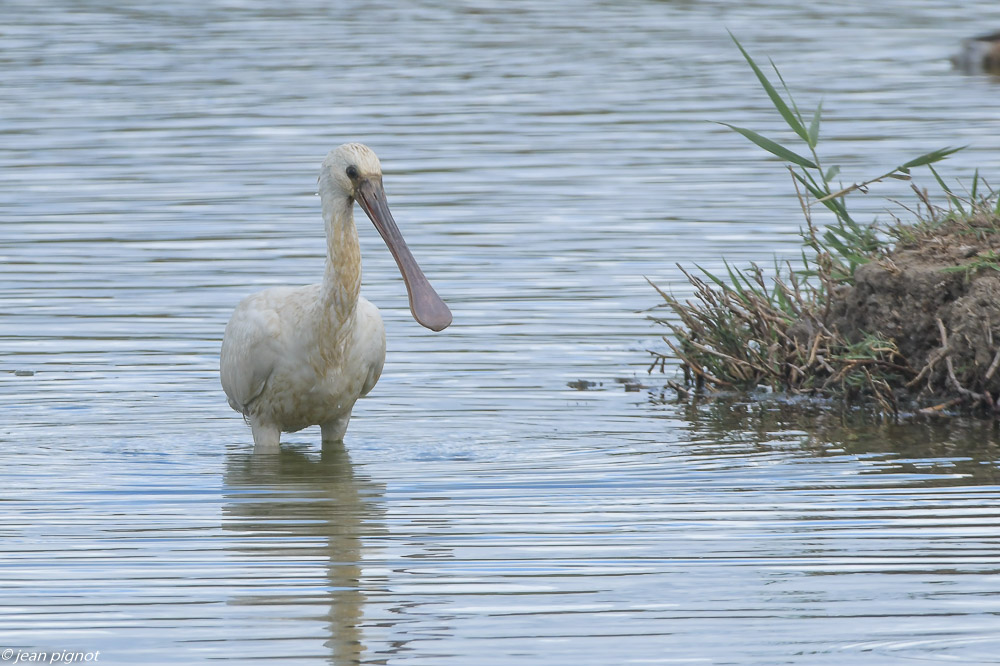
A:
(342, 280)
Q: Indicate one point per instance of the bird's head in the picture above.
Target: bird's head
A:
(349, 166)
(354, 172)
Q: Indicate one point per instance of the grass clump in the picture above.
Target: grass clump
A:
(884, 313)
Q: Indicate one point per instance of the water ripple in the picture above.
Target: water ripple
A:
(159, 163)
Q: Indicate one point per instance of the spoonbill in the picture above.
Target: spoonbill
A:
(293, 357)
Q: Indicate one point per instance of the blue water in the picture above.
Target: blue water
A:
(159, 163)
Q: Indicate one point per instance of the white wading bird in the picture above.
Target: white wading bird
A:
(299, 356)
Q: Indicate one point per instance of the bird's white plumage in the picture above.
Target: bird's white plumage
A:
(299, 356)
(280, 368)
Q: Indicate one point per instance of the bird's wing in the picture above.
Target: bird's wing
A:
(250, 350)
(372, 331)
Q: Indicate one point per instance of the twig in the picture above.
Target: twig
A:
(815, 348)
(992, 368)
(682, 393)
(802, 201)
(667, 297)
(934, 358)
(922, 195)
(937, 408)
(856, 186)
(658, 359)
(695, 368)
(951, 369)
(724, 357)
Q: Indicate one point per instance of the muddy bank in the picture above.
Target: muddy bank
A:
(937, 297)
(910, 327)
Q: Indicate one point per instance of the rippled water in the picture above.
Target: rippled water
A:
(159, 163)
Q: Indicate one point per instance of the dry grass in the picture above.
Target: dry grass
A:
(744, 338)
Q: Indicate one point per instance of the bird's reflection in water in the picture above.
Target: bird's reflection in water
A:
(298, 511)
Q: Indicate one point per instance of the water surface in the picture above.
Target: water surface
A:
(159, 163)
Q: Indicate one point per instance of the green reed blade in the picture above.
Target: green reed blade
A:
(773, 147)
(776, 100)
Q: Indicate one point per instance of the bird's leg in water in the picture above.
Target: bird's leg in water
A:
(265, 437)
(333, 431)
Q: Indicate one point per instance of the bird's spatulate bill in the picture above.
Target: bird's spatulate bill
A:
(425, 305)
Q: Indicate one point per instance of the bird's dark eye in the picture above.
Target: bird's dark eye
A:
(352, 172)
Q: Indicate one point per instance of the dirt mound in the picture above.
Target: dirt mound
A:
(909, 328)
(937, 296)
